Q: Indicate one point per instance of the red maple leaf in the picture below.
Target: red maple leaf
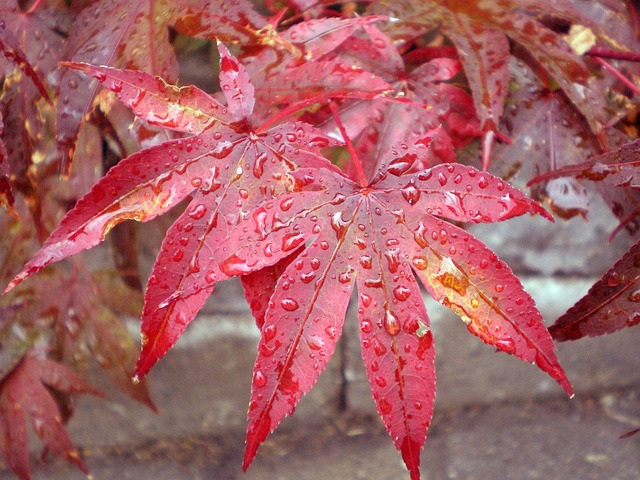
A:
(230, 165)
(379, 236)
(263, 197)
(610, 305)
(135, 35)
(479, 30)
(24, 392)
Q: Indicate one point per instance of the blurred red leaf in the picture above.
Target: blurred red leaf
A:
(25, 392)
(610, 305)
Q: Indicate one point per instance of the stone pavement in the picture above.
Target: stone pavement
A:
(496, 417)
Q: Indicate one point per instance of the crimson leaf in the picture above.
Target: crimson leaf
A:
(23, 392)
(378, 237)
(230, 167)
(610, 305)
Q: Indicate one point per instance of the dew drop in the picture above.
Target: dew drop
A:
(634, 296)
(315, 263)
(381, 382)
(373, 282)
(378, 347)
(507, 345)
(269, 332)
(366, 261)
(258, 165)
(291, 241)
(401, 293)
(483, 182)
(391, 323)
(198, 211)
(315, 342)
(365, 299)
(442, 179)
(259, 379)
(331, 332)
(613, 280)
(339, 225)
(289, 304)
(411, 194)
(366, 326)
(385, 407)
(307, 277)
(499, 288)
(420, 263)
(210, 277)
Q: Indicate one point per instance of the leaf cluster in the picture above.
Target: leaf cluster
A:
(343, 149)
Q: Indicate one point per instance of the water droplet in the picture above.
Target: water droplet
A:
(366, 261)
(210, 277)
(393, 259)
(344, 277)
(259, 379)
(420, 263)
(634, 296)
(507, 345)
(374, 366)
(499, 288)
(365, 299)
(483, 182)
(289, 304)
(307, 277)
(258, 165)
(373, 282)
(391, 323)
(613, 280)
(315, 263)
(235, 265)
(378, 347)
(411, 194)
(339, 225)
(442, 179)
(291, 241)
(401, 293)
(366, 326)
(399, 165)
(315, 342)
(198, 211)
(331, 332)
(385, 407)
(269, 332)
(381, 382)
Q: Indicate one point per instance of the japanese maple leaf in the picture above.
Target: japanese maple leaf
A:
(479, 30)
(301, 68)
(228, 166)
(135, 35)
(25, 391)
(30, 45)
(430, 103)
(380, 236)
(610, 305)
(616, 175)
